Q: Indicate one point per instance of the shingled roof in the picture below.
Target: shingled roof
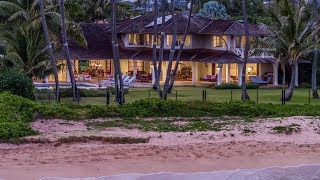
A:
(99, 47)
(198, 25)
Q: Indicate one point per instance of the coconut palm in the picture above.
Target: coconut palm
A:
(66, 48)
(116, 57)
(213, 10)
(25, 51)
(244, 92)
(315, 94)
(292, 35)
(49, 48)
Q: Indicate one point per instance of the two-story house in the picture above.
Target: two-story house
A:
(211, 47)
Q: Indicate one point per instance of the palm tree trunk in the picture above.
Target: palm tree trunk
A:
(66, 49)
(171, 55)
(163, 5)
(156, 85)
(289, 91)
(245, 95)
(49, 48)
(174, 73)
(315, 55)
(116, 58)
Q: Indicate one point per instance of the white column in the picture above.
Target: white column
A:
(194, 72)
(209, 68)
(227, 73)
(283, 67)
(219, 68)
(153, 74)
(240, 66)
(275, 73)
(68, 74)
(296, 82)
(46, 79)
(260, 70)
(164, 71)
(135, 67)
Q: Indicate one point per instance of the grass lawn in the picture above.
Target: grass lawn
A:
(301, 96)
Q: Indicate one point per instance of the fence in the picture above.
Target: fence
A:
(100, 97)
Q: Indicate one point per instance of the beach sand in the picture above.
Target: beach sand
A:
(181, 152)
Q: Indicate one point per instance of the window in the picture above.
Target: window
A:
(179, 40)
(140, 65)
(138, 39)
(241, 42)
(219, 41)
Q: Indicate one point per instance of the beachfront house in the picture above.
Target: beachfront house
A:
(212, 47)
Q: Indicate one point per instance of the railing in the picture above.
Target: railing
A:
(261, 52)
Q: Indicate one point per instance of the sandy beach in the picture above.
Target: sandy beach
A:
(165, 152)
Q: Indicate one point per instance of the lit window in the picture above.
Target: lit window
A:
(219, 41)
(179, 40)
(137, 39)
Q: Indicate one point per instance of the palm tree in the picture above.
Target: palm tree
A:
(66, 48)
(24, 39)
(315, 53)
(116, 58)
(49, 48)
(292, 35)
(244, 94)
(213, 10)
(24, 50)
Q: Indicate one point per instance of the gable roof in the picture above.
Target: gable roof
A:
(198, 25)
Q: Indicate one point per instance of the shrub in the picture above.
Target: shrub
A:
(16, 83)
(252, 86)
(14, 130)
(228, 86)
(305, 85)
(67, 92)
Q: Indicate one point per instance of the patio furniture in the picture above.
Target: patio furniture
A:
(258, 80)
(209, 78)
(86, 77)
(126, 78)
(130, 82)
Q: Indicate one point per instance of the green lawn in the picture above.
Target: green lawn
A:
(301, 96)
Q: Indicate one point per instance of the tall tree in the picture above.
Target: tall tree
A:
(49, 48)
(315, 53)
(156, 84)
(66, 48)
(176, 66)
(292, 35)
(172, 51)
(213, 10)
(244, 94)
(116, 57)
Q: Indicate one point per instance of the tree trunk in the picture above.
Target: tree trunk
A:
(116, 58)
(245, 95)
(66, 49)
(163, 4)
(49, 48)
(174, 73)
(315, 55)
(171, 55)
(156, 84)
(289, 91)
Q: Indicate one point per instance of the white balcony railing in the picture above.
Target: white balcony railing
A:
(263, 52)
